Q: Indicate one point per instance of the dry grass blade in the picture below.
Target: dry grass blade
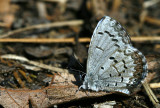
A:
(116, 5)
(63, 1)
(25, 76)
(154, 85)
(49, 25)
(151, 94)
(72, 40)
(145, 38)
(150, 3)
(152, 20)
(44, 66)
(21, 83)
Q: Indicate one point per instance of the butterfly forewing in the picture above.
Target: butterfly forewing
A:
(113, 64)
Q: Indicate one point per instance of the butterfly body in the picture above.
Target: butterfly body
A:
(113, 63)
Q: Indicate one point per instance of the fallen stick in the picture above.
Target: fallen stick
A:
(72, 40)
(154, 85)
(41, 65)
(45, 40)
(151, 20)
(145, 38)
(48, 25)
(61, 1)
(151, 95)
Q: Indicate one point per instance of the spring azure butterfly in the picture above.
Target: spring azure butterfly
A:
(113, 64)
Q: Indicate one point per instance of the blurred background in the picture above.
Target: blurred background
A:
(139, 17)
(56, 32)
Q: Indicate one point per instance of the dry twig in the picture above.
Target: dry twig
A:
(150, 3)
(45, 40)
(116, 5)
(48, 25)
(151, 94)
(21, 83)
(72, 40)
(154, 85)
(152, 20)
(25, 76)
(63, 1)
(44, 66)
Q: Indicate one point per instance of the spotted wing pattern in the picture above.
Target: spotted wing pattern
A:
(113, 63)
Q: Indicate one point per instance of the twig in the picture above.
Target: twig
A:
(152, 20)
(98, 8)
(3, 24)
(42, 10)
(55, 0)
(71, 40)
(45, 40)
(20, 82)
(25, 76)
(150, 3)
(44, 66)
(116, 5)
(154, 85)
(140, 104)
(33, 68)
(12, 85)
(145, 38)
(151, 94)
(49, 25)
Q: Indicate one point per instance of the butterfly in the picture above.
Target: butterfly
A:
(113, 64)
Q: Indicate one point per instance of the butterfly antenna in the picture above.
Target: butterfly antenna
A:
(77, 70)
(77, 60)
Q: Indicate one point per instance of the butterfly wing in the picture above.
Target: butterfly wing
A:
(113, 64)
